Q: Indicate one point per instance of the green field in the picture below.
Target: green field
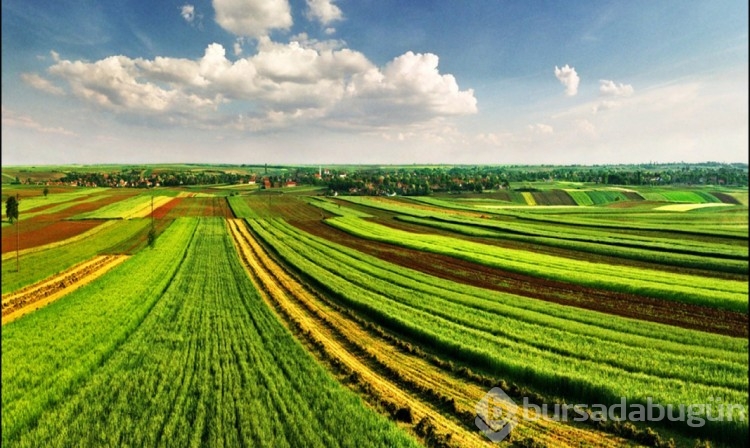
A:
(225, 358)
(286, 317)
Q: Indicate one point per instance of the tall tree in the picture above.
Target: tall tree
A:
(11, 208)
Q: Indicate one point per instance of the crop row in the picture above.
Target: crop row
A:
(275, 205)
(350, 340)
(493, 332)
(51, 351)
(210, 365)
(694, 225)
(134, 207)
(294, 302)
(558, 355)
(28, 204)
(727, 249)
(60, 204)
(729, 294)
(37, 265)
(335, 208)
(585, 243)
(599, 231)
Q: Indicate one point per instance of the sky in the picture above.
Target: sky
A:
(374, 81)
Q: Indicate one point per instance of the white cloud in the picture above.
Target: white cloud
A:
(12, 119)
(409, 88)
(280, 85)
(323, 11)
(40, 83)
(569, 78)
(237, 47)
(115, 83)
(541, 128)
(252, 18)
(610, 88)
(330, 30)
(188, 13)
(604, 106)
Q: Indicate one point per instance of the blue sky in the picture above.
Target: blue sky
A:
(374, 81)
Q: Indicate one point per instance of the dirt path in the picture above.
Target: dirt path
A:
(30, 298)
(404, 378)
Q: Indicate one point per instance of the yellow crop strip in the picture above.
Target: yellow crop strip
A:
(528, 197)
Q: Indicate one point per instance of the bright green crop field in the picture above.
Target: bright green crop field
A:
(292, 318)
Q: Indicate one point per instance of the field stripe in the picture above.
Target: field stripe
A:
(20, 303)
(311, 309)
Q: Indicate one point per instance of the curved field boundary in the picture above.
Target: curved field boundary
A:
(472, 276)
(82, 236)
(544, 352)
(725, 198)
(279, 287)
(613, 238)
(589, 217)
(667, 253)
(409, 369)
(28, 299)
(729, 294)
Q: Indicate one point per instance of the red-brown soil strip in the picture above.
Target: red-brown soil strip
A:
(627, 305)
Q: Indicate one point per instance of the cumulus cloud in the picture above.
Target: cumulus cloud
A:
(252, 18)
(411, 87)
(610, 88)
(324, 11)
(280, 84)
(569, 78)
(39, 83)
(115, 83)
(16, 120)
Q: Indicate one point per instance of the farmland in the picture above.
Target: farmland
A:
(283, 317)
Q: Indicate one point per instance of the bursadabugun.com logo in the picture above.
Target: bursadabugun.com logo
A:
(498, 414)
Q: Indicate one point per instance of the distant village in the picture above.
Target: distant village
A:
(412, 181)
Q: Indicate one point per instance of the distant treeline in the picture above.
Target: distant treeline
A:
(424, 180)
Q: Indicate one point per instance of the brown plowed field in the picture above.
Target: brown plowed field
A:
(49, 228)
(167, 208)
(627, 305)
(191, 206)
(402, 377)
(26, 300)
